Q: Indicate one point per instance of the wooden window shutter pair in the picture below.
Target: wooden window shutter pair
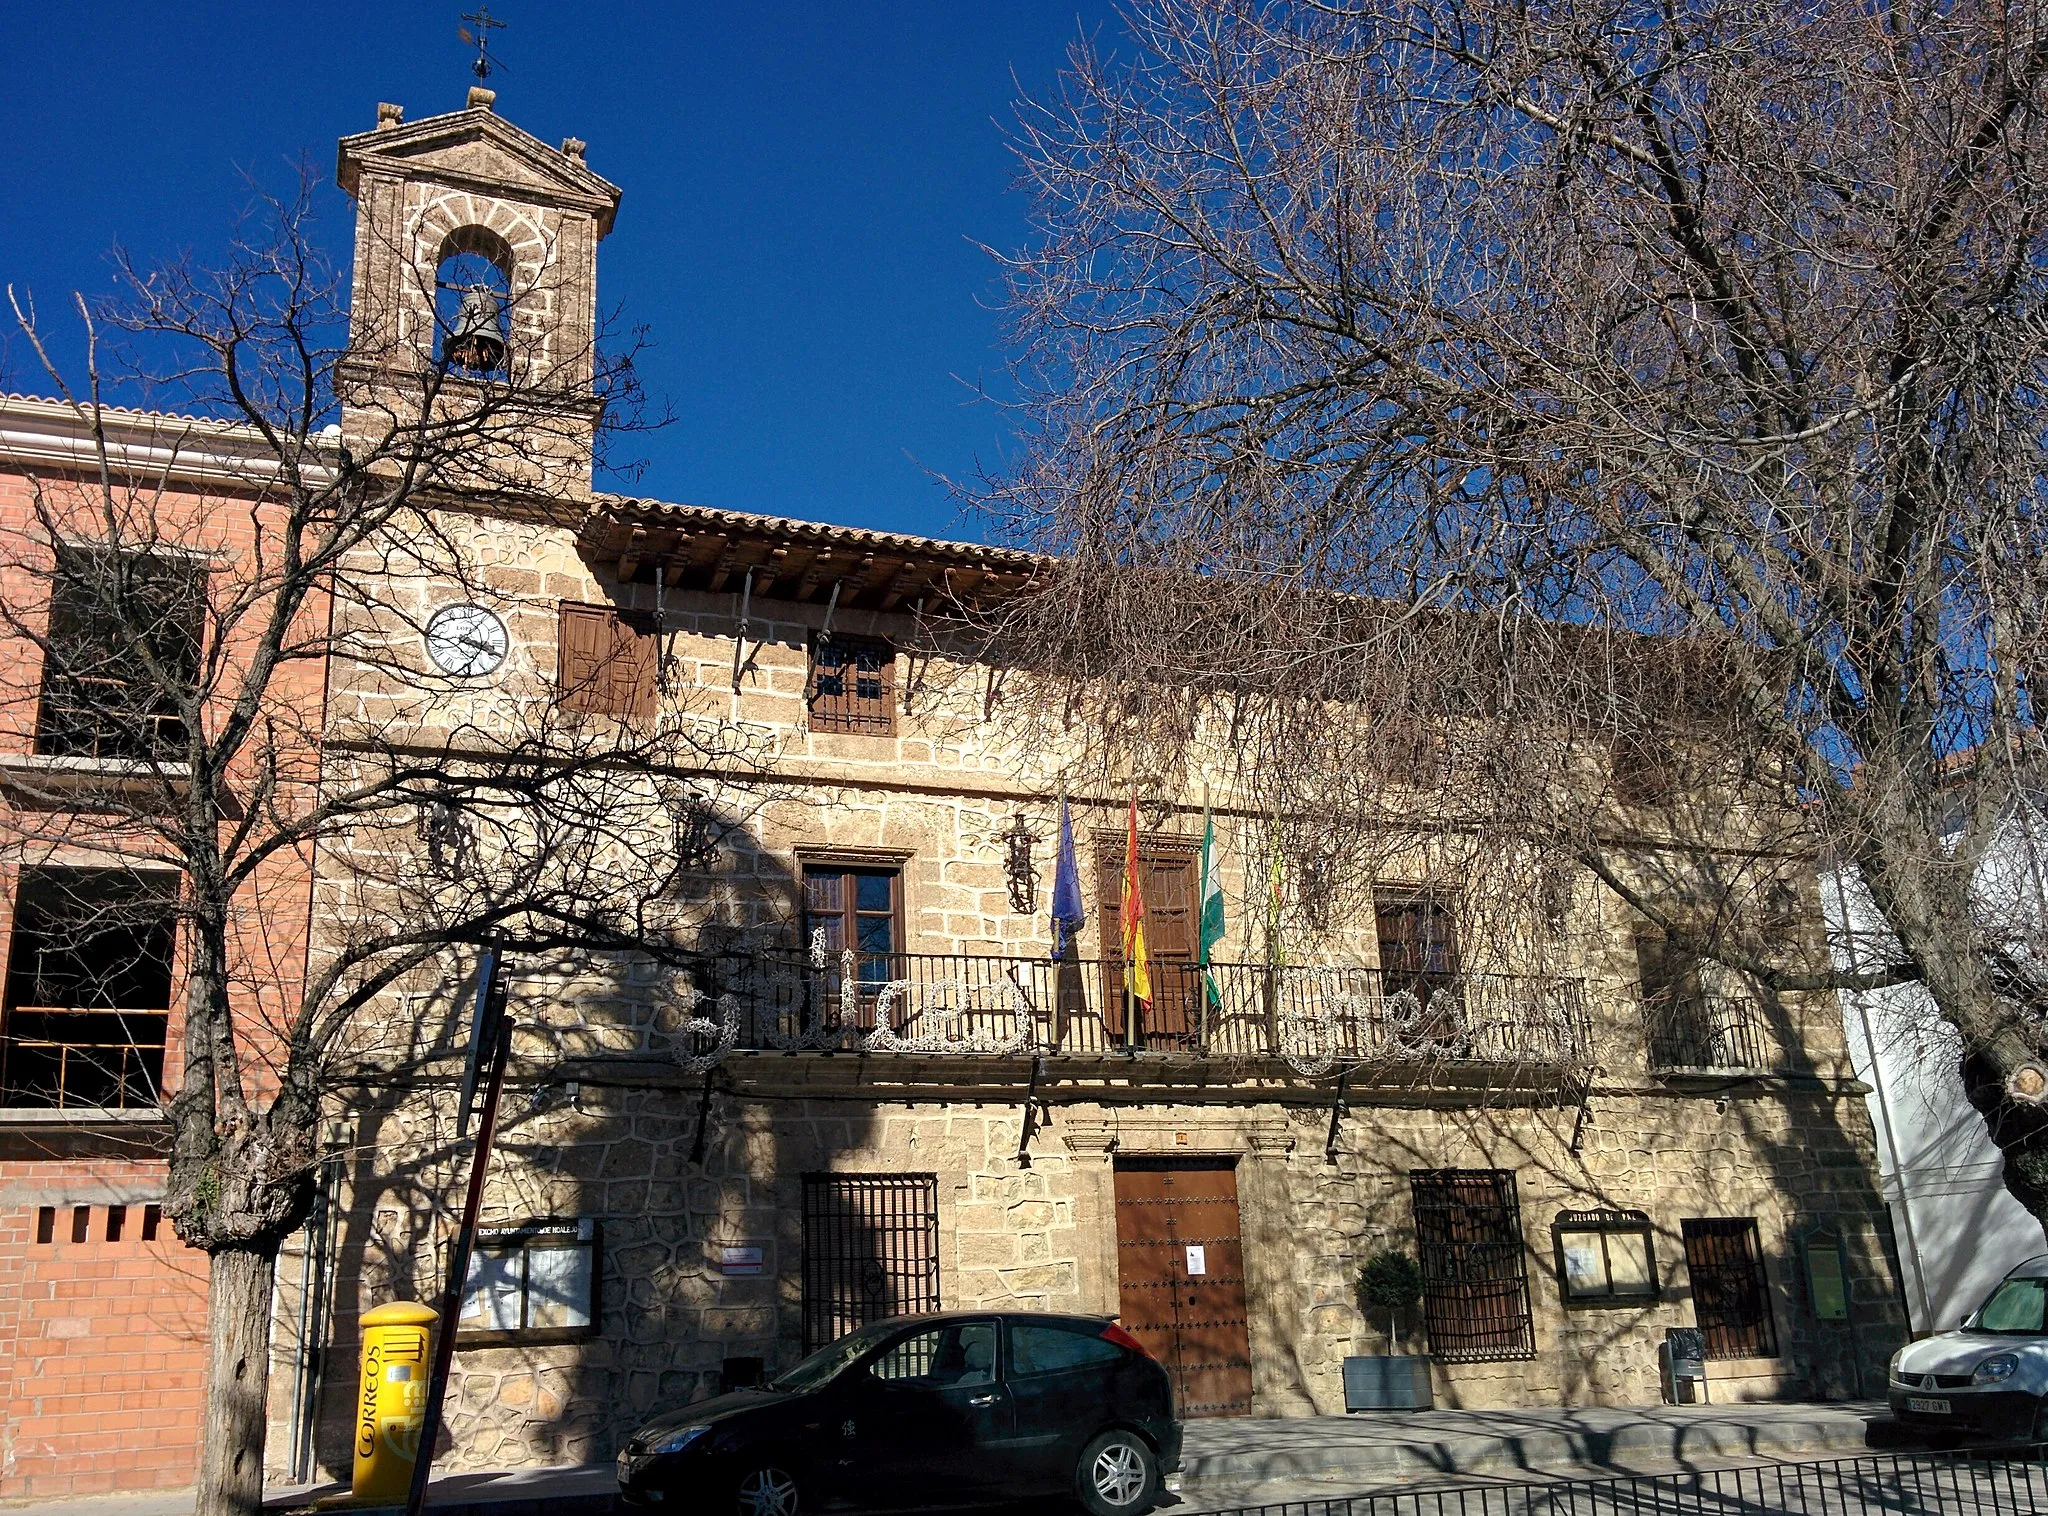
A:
(606, 665)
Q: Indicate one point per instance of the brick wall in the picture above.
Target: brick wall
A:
(102, 1343)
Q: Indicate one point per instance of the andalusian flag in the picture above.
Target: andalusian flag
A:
(1210, 932)
(1137, 969)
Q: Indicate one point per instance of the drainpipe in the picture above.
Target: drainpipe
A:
(314, 1285)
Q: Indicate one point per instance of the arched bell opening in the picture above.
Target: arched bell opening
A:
(473, 301)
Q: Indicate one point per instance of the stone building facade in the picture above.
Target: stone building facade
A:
(877, 1091)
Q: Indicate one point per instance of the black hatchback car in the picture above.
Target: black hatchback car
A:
(947, 1410)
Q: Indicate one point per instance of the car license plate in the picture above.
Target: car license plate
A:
(1927, 1407)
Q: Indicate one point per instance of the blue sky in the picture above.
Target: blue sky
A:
(804, 189)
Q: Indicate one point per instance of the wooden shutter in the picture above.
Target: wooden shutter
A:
(1418, 939)
(635, 655)
(605, 665)
(584, 658)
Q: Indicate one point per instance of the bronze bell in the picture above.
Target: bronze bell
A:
(475, 343)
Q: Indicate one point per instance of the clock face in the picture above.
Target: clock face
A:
(466, 641)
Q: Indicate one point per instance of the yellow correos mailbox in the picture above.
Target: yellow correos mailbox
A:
(391, 1407)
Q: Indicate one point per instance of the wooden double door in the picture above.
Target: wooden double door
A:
(1180, 1278)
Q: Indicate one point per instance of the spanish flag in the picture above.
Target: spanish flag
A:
(1137, 971)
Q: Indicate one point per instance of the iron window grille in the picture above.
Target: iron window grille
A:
(871, 1249)
(1605, 1257)
(1475, 1281)
(1731, 1297)
(853, 686)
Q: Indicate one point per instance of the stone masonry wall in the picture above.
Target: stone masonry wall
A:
(1044, 1237)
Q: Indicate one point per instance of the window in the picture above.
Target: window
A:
(1054, 1349)
(1166, 883)
(1418, 937)
(1475, 1287)
(2017, 1306)
(858, 907)
(606, 662)
(871, 1249)
(88, 989)
(962, 1354)
(112, 617)
(536, 1282)
(1688, 1029)
(1605, 1257)
(853, 686)
(1730, 1295)
(1418, 941)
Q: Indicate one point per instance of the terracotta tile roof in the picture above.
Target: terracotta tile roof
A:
(703, 548)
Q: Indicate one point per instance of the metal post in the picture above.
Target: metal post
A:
(458, 1266)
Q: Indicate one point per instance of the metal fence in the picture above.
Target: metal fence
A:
(2013, 1483)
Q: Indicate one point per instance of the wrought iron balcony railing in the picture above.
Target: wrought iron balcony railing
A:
(1709, 1034)
(1312, 1016)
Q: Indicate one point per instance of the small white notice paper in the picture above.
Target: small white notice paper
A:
(1198, 1259)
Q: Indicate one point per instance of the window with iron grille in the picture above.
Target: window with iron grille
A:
(1731, 1297)
(853, 686)
(871, 1249)
(1475, 1282)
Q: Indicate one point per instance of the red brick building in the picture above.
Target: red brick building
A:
(102, 1309)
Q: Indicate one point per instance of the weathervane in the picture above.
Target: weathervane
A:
(481, 24)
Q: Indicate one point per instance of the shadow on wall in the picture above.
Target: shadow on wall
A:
(621, 1180)
(1787, 1158)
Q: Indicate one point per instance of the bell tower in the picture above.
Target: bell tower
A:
(473, 310)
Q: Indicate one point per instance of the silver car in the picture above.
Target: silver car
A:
(1990, 1375)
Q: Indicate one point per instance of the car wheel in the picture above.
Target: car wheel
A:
(768, 1490)
(2038, 1432)
(1118, 1475)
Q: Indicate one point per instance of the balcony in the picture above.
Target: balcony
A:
(67, 1057)
(1313, 1018)
(1715, 1036)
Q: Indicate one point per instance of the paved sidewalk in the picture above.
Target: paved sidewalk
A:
(1243, 1462)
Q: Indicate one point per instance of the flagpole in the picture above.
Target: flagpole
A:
(1059, 945)
(1207, 985)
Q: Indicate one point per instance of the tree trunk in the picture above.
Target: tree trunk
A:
(237, 1382)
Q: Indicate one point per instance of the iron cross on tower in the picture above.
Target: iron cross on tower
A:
(481, 24)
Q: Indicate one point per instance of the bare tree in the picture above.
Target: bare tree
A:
(220, 630)
(1634, 410)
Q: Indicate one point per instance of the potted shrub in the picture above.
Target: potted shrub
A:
(1389, 1285)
